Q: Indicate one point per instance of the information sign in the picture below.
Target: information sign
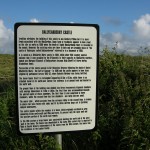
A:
(56, 76)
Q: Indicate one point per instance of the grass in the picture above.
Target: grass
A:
(123, 116)
(6, 71)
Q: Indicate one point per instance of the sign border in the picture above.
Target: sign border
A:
(16, 25)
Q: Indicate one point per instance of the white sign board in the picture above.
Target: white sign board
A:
(56, 75)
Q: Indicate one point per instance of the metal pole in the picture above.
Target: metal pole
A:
(58, 138)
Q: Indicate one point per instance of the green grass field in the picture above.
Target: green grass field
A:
(123, 116)
(6, 70)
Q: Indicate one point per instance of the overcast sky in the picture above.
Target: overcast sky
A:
(126, 22)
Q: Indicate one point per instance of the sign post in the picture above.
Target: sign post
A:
(56, 76)
(58, 138)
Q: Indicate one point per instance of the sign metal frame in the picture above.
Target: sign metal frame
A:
(17, 79)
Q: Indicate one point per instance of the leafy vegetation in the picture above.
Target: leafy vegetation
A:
(123, 109)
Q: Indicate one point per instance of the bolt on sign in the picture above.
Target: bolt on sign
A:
(56, 76)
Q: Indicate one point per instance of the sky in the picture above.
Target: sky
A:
(125, 22)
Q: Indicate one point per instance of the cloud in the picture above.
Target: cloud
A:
(6, 39)
(112, 21)
(34, 20)
(129, 44)
(124, 43)
(141, 27)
